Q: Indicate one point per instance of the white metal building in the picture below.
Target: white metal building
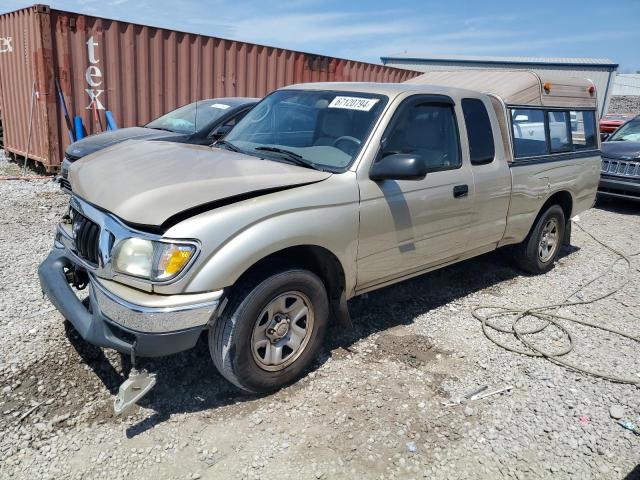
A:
(627, 84)
(601, 71)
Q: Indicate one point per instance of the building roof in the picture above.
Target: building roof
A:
(564, 61)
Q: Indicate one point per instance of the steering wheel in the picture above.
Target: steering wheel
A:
(261, 115)
(347, 138)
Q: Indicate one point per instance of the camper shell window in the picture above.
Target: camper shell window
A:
(539, 131)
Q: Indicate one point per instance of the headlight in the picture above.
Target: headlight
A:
(150, 259)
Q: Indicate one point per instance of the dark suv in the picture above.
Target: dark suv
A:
(620, 176)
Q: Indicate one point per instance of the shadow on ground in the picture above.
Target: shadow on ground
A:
(633, 474)
(188, 381)
(615, 205)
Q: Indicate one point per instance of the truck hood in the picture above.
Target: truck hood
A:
(93, 143)
(621, 150)
(147, 183)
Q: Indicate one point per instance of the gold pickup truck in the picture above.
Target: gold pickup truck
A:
(322, 192)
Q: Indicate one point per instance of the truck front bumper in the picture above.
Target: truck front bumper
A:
(145, 324)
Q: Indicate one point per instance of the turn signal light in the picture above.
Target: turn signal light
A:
(547, 87)
(174, 258)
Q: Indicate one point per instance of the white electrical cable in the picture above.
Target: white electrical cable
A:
(548, 314)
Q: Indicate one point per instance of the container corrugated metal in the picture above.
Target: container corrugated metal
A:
(138, 72)
(600, 71)
(21, 64)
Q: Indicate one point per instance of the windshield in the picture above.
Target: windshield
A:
(190, 118)
(325, 129)
(629, 132)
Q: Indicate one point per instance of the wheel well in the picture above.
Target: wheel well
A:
(316, 259)
(563, 199)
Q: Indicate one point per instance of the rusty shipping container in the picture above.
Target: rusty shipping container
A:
(138, 72)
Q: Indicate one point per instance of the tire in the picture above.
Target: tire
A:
(242, 326)
(531, 255)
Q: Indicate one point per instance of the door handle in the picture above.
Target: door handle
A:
(460, 191)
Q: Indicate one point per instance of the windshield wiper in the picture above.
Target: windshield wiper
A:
(160, 128)
(291, 156)
(227, 145)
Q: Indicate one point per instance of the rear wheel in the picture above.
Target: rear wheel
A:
(271, 330)
(540, 249)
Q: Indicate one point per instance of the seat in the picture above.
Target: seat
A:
(333, 125)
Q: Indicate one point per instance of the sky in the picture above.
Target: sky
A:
(368, 29)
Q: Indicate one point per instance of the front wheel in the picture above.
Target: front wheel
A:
(270, 331)
(540, 249)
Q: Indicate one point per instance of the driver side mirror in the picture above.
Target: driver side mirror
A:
(221, 131)
(604, 136)
(399, 166)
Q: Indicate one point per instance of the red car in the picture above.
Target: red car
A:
(610, 122)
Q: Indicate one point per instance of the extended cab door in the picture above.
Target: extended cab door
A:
(407, 226)
(491, 174)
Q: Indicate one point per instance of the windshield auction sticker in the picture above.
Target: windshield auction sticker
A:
(221, 106)
(354, 103)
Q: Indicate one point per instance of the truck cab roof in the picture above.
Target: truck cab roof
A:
(388, 89)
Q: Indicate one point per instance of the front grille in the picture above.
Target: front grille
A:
(65, 184)
(87, 236)
(620, 167)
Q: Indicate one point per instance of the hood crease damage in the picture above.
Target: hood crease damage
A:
(159, 184)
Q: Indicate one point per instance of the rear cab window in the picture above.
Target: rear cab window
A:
(479, 132)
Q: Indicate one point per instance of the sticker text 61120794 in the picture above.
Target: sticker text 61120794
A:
(354, 103)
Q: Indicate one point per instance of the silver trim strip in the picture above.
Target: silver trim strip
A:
(152, 319)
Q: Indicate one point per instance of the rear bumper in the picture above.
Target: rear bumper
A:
(611, 186)
(150, 328)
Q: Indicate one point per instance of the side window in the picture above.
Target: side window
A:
(428, 130)
(559, 138)
(227, 126)
(528, 132)
(481, 147)
(583, 129)
(232, 121)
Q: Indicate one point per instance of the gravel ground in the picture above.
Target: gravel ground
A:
(625, 104)
(372, 406)
(15, 168)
